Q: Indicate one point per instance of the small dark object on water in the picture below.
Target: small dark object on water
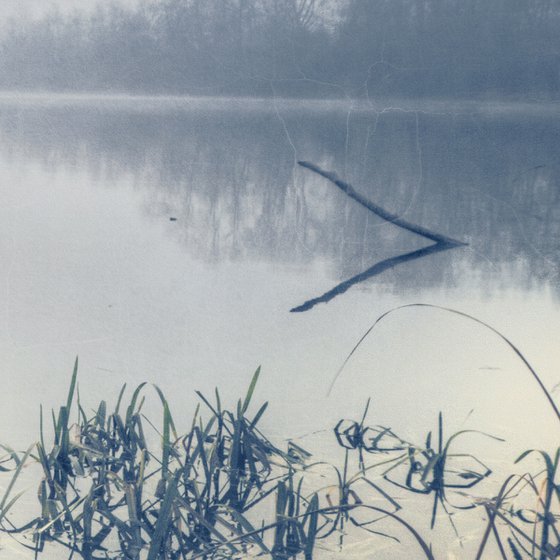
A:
(172, 219)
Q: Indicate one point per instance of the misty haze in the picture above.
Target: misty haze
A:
(192, 188)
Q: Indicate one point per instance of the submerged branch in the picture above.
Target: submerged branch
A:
(441, 242)
(348, 189)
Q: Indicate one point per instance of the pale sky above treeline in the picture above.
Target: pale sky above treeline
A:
(11, 8)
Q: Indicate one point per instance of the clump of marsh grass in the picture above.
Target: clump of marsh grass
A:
(105, 489)
(522, 519)
(222, 489)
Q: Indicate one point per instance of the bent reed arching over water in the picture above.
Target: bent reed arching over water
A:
(223, 489)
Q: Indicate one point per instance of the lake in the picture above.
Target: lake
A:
(167, 239)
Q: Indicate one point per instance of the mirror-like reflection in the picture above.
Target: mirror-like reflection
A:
(230, 182)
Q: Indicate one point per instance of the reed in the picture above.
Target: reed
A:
(116, 484)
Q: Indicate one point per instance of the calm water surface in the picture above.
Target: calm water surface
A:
(167, 240)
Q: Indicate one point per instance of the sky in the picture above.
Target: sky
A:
(11, 8)
(36, 8)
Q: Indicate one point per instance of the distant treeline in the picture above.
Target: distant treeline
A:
(308, 48)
